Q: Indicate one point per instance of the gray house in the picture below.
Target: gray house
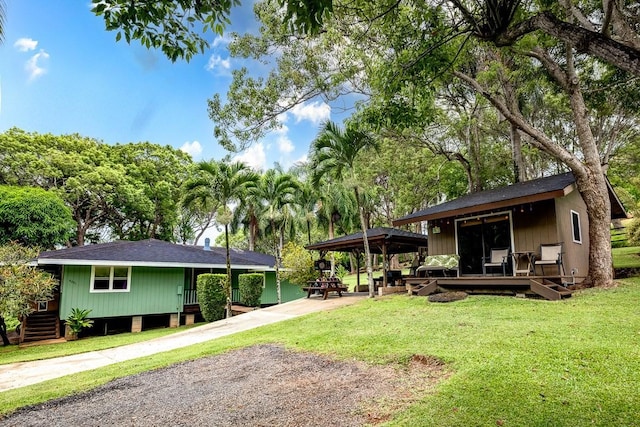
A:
(520, 218)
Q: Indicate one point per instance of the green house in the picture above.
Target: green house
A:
(142, 284)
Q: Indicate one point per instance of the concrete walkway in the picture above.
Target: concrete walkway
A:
(22, 374)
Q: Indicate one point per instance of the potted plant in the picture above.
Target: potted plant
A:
(77, 320)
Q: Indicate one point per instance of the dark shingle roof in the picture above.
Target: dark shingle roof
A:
(512, 195)
(534, 190)
(153, 252)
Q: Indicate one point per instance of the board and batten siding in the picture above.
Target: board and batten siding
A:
(152, 291)
(288, 291)
(535, 225)
(576, 254)
(444, 242)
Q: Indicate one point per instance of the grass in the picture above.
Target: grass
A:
(512, 362)
(628, 257)
(14, 354)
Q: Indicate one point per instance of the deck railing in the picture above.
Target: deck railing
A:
(191, 296)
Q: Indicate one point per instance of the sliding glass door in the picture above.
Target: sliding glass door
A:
(475, 236)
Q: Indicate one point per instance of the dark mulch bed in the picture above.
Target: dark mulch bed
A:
(448, 296)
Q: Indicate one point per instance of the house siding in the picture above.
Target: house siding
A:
(443, 243)
(289, 291)
(152, 291)
(576, 255)
(536, 224)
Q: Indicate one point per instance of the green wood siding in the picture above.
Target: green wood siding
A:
(152, 291)
(270, 293)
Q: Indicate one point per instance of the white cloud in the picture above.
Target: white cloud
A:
(218, 65)
(315, 112)
(192, 148)
(254, 157)
(34, 66)
(285, 145)
(25, 44)
(221, 41)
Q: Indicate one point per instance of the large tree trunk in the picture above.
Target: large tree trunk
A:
(593, 189)
(590, 179)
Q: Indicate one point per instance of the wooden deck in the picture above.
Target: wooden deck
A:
(548, 287)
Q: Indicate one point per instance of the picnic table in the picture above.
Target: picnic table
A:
(324, 287)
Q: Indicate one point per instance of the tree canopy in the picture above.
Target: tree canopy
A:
(33, 217)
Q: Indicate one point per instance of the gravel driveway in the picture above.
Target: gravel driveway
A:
(263, 385)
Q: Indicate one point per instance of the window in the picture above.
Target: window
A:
(575, 225)
(110, 279)
(43, 305)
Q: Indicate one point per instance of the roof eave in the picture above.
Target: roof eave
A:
(112, 263)
(486, 206)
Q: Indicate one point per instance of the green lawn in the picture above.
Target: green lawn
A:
(626, 257)
(14, 354)
(512, 362)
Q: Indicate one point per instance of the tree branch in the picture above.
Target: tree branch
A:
(585, 41)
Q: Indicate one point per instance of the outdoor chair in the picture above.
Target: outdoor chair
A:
(550, 254)
(498, 258)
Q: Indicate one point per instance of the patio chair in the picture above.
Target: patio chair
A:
(498, 258)
(550, 254)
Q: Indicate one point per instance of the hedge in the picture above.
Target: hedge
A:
(250, 288)
(212, 296)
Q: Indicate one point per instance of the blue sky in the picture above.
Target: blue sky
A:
(62, 72)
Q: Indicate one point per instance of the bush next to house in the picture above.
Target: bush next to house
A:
(298, 264)
(212, 296)
(250, 288)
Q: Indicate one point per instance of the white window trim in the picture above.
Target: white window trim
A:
(576, 215)
(111, 268)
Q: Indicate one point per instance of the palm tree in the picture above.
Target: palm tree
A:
(248, 215)
(336, 210)
(227, 183)
(278, 191)
(333, 153)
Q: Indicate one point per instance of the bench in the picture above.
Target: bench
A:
(324, 287)
(446, 265)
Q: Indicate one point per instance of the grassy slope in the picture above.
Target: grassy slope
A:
(519, 362)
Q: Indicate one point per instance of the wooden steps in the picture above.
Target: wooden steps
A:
(422, 287)
(549, 290)
(40, 326)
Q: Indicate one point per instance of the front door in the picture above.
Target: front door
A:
(477, 235)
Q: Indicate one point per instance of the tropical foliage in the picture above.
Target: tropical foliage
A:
(21, 283)
(78, 320)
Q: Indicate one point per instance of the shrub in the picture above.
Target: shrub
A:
(78, 320)
(250, 288)
(633, 232)
(298, 264)
(212, 296)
